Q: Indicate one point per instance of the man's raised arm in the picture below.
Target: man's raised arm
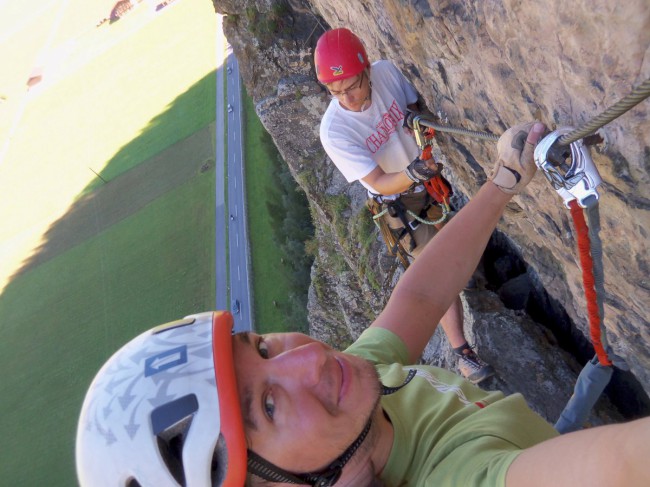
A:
(608, 456)
(428, 287)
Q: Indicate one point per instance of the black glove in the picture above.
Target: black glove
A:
(418, 171)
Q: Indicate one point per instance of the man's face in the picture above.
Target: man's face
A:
(352, 93)
(303, 402)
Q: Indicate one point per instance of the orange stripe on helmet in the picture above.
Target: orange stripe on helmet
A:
(232, 425)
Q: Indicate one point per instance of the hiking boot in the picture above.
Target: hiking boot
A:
(472, 367)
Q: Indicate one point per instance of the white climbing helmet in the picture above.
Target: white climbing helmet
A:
(164, 411)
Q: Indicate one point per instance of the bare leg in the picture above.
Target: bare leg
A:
(469, 364)
(452, 323)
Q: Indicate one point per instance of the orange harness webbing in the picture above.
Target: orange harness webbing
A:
(438, 189)
(436, 186)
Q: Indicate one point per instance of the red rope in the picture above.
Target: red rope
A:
(587, 265)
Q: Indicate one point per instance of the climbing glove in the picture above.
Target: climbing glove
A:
(419, 171)
(516, 166)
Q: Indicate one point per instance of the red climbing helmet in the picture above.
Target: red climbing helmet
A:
(339, 55)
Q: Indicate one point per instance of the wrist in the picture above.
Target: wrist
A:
(505, 178)
(497, 193)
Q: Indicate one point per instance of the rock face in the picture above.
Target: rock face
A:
(482, 66)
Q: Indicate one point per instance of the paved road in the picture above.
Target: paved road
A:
(236, 263)
(238, 230)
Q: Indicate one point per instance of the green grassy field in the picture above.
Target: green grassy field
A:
(64, 318)
(87, 263)
(271, 277)
(107, 260)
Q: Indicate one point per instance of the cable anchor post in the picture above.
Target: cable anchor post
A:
(570, 169)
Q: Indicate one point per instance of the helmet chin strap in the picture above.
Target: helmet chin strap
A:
(327, 477)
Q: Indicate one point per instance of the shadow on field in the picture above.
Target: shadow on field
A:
(125, 256)
(166, 154)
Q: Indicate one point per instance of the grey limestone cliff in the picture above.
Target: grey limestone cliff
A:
(482, 66)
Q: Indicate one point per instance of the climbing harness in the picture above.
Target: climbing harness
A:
(438, 190)
(399, 217)
(396, 209)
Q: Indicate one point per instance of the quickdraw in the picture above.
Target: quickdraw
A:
(437, 186)
(576, 182)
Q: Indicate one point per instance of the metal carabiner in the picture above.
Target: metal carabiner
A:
(577, 180)
(418, 132)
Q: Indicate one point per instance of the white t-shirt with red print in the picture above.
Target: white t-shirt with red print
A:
(358, 142)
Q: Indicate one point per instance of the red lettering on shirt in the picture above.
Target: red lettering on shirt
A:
(372, 143)
(386, 126)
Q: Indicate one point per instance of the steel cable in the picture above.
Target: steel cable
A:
(457, 130)
(637, 95)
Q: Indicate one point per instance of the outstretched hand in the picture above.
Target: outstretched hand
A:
(516, 166)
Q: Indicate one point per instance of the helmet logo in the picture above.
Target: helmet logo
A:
(165, 360)
(337, 70)
(360, 58)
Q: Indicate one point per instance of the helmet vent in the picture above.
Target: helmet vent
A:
(132, 483)
(219, 462)
(170, 423)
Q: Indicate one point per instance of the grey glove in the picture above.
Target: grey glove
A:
(516, 166)
(418, 170)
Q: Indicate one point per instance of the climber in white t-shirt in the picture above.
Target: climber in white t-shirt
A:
(363, 133)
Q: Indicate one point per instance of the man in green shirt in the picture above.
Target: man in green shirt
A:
(197, 407)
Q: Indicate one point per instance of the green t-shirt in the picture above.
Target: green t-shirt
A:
(448, 432)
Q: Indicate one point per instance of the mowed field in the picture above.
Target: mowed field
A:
(88, 263)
